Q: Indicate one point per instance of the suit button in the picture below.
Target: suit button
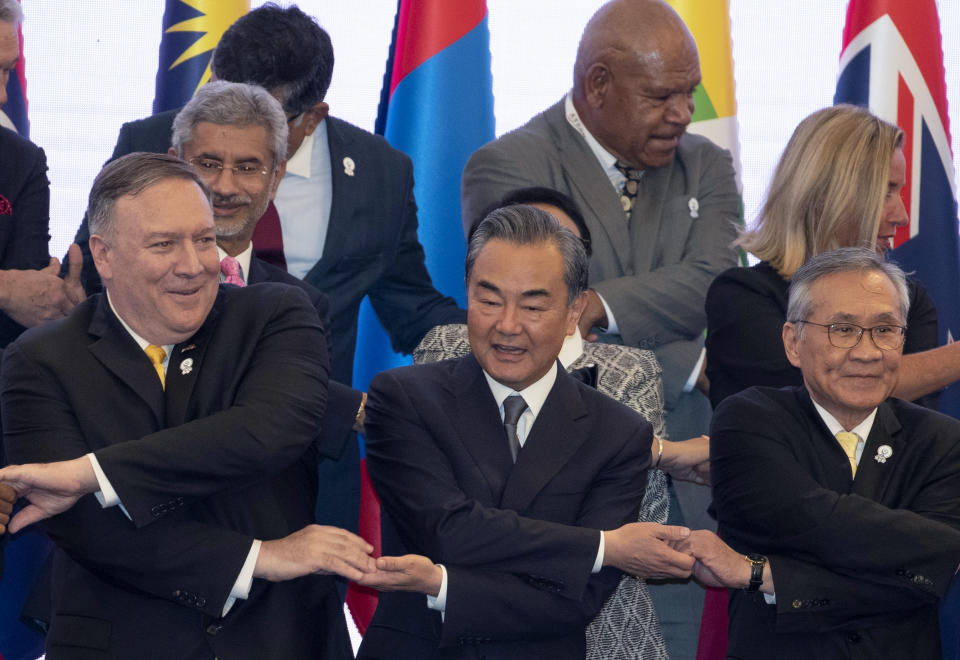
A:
(797, 604)
(900, 571)
(201, 602)
(214, 628)
(853, 637)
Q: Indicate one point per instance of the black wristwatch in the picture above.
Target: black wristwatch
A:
(757, 562)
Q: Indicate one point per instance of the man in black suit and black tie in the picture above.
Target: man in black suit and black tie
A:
(191, 410)
(499, 470)
(842, 506)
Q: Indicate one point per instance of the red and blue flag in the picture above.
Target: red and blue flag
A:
(892, 62)
(437, 107)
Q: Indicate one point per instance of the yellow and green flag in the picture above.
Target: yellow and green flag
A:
(715, 96)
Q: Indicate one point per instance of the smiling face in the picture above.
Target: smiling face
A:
(894, 214)
(161, 266)
(848, 382)
(238, 200)
(517, 314)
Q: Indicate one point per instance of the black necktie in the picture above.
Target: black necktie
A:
(513, 407)
(628, 194)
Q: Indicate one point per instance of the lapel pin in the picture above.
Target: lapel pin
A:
(348, 166)
(186, 366)
(883, 453)
(694, 207)
(189, 347)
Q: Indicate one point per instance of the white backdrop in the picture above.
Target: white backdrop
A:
(91, 66)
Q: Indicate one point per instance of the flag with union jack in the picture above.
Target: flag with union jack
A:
(892, 62)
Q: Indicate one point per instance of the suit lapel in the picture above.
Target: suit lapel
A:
(585, 175)
(186, 360)
(647, 217)
(475, 415)
(116, 350)
(343, 198)
(550, 444)
(873, 476)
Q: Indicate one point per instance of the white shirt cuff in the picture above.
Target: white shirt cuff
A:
(598, 564)
(770, 598)
(241, 588)
(439, 602)
(612, 327)
(107, 496)
(692, 380)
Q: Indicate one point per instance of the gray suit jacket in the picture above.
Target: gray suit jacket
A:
(654, 271)
(627, 627)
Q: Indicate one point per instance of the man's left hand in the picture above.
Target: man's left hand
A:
(51, 488)
(687, 460)
(407, 573)
(594, 316)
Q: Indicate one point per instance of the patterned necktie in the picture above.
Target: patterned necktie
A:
(157, 356)
(268, 238)
(513, 407)
(230, 267)
(849, 442)
(628, 194)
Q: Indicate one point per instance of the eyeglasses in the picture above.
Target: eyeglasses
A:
(294, 118)
(848, 335)
(211, 169)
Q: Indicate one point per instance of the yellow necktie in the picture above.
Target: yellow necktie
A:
(849, 443)
(157, 355)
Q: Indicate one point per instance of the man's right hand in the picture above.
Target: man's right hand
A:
(31, 297)
(315, 549)
(7, 498)
(643, 549)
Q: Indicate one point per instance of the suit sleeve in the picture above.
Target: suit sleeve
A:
(757, 478)
(270, 422)
(26, 247)
(404, 297)
(176, 559)
(419, 490)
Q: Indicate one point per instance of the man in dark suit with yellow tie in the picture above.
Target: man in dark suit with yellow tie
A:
(842, 506)
(191, 410)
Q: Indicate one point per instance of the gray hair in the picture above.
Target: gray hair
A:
(800, 304)
(233, 104)
(131, 175)
(10, 12)
(526, 225)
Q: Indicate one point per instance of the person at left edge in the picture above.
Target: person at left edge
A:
(234, 136)
(203, 454)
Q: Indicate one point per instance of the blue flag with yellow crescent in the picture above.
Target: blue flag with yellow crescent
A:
(191, 30)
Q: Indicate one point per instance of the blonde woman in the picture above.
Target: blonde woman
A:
(837, 185)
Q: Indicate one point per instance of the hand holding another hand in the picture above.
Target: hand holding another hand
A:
(644, 549)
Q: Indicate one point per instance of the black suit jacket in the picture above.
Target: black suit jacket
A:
(518, 540)
(371, 248)
(858, 564)
(223, 455)
(24, 224)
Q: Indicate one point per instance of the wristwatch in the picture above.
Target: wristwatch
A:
(757, 562)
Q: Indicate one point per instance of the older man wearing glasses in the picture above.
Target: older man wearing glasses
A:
(845, 503)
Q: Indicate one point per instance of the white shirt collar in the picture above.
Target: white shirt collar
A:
(299, 163)
(572, 349)
(535, 394)
(606, 159)
(141, 342)
(243, 258)
(862, 429)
